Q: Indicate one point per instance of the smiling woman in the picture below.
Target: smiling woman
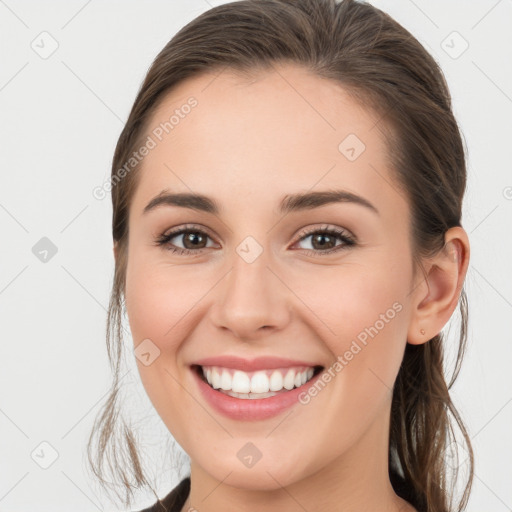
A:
(292, 248)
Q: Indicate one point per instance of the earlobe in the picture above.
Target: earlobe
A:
(115, 251)
(444, 280)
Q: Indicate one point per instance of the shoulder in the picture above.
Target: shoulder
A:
(174, 501)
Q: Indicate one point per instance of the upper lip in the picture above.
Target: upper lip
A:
(252, 365)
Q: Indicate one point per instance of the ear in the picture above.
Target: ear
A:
(436, 296)
(115, 250)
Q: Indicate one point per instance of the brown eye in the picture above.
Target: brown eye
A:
(324, 241)
(193, 241)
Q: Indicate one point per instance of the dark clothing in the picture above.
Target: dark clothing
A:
(174, 501)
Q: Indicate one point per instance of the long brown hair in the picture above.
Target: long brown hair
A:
(381, 64)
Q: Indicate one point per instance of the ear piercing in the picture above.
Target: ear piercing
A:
(422, 331)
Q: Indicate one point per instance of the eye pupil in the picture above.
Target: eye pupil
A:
(192, 237)
(320, 237)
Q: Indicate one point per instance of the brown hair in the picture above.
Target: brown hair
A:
(381, 64)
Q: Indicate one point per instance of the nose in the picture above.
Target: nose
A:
(252, 300)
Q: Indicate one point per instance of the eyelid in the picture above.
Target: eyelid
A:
(188, 227)
(326, 227)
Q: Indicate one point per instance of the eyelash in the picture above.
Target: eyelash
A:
(164, 239)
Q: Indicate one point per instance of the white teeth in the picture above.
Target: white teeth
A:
(289, 380)
(263, 383)
(259, 383)
(276, 381)
(215, 379)
(241, 382)
(225, 380)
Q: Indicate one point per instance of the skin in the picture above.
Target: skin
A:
(246, 144)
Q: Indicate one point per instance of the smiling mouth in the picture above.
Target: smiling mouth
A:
(258, 384)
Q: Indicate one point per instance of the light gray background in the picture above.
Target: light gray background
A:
(59, 121)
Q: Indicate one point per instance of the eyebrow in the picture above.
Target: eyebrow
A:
(289, 203)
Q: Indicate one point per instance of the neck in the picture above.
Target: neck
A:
(355, 481)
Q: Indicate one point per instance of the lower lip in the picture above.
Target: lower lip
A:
(251, 409)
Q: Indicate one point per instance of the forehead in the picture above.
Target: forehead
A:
(271, 132)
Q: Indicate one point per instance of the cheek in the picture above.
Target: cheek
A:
(158, 297)
(361, 311)
(350, 297)
(361, 314)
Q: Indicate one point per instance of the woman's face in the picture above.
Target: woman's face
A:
(270, 276)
